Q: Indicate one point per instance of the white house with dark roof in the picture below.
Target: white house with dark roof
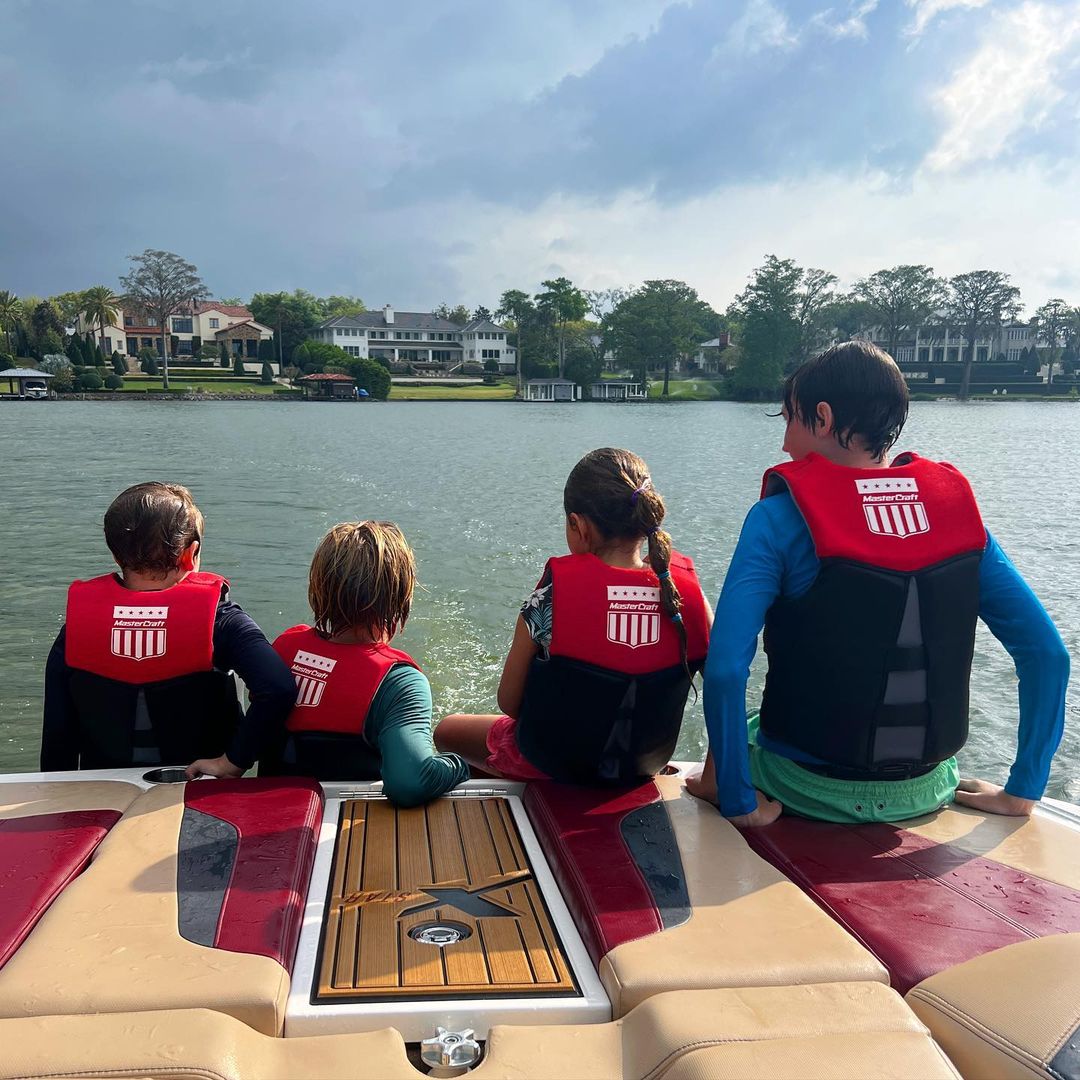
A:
(419, 338)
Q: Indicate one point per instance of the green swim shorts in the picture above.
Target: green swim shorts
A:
(847, 801)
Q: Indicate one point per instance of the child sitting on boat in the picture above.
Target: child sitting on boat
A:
(868, 578)
(605, 649)
(141, 672)
(363, 708)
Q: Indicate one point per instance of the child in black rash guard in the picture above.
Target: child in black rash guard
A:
(141, 673)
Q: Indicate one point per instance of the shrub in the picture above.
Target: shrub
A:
(196, 345)
(223, 354)
(148, 361)
(119, 364)
(90, 380)
(369, 375)
(266, 350)
(491, 365)
(238, 365)
(6, 361)
(113, 382)
(267, 376)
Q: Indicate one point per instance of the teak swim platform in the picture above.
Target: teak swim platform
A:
(435, 901)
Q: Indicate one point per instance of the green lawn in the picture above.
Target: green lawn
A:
(685, 390)
(451, 393)
(209, 386)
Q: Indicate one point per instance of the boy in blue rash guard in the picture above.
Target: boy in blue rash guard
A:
(869, 641)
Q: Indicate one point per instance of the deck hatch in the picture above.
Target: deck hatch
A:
(455, 862)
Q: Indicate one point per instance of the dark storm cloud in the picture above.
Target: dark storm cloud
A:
(355, 147)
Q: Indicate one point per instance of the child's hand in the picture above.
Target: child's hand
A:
(221, 767)
(991, 799)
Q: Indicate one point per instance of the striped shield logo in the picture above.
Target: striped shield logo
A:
(311, 672)
(633, 615)
(138, 633)
(892, 507)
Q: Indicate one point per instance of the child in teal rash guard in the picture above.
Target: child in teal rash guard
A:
(845, 409)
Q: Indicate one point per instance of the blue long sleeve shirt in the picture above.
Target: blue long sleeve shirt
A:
(775, 558)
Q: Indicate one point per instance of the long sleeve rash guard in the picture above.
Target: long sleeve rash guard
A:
(775, 558)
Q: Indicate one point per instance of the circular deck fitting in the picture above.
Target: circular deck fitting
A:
(440, 933)
(165, 776)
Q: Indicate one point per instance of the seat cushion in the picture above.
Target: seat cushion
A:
(48, 832)
(1013, 1013)
(194, 899)
(668, 896)
(935, 892)
(836, 1030)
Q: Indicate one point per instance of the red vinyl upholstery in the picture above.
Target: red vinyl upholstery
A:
(39, 855)
(580, 830)
(918, 905)
(262, 861)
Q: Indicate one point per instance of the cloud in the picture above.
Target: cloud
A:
(1013, 81)
(926, 11)
(851, 24)
(762, 25)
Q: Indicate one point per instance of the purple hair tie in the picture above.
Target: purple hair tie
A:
(645, 485)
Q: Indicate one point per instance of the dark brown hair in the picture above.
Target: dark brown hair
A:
(613, 489)
(865, 388)
(149, 526)
(362, 575)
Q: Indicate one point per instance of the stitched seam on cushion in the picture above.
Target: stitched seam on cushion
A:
(166, 1070)
(964, 1019)
(1071, 1030)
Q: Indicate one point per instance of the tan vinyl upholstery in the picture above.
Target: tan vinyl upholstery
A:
(1013, 1013)
(839, 1031)
(749, 926)
(110, 943)
(29, 799)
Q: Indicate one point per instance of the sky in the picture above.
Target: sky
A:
(415, 152)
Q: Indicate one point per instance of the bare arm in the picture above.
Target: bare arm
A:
(516, 670)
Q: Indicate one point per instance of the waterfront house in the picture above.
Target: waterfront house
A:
(420, 340)
(710, 354)
(326, 386)
(552, 390)
(617, 390)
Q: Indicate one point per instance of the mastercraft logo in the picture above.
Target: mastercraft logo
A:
(138, 633)
(633, 615)
(892, 507)
(310, 670)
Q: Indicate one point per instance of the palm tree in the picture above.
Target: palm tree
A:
(10, 313)
(99, 306)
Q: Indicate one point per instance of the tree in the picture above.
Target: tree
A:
(657, 323)
(148, 361)
(238, 364)
(518, 307)
(266, 376)
(847, 316)
(196, 347)
(1051, 323)
(482, 313)
(63, 371)
(901, 300)
(314, 356)
(266, 350)
(46, 331)
(119, 364)
(223, 354)
(293, 315)
(978, 302)
(815, 298)
(98, 308)
(11, 313)
(332, 306)
(369, 375)
(562, 302)
(768, 313)
(162, 284)
(174, 347)
(69, 305)
(457, 314)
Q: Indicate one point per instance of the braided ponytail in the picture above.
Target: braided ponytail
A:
(613, 488)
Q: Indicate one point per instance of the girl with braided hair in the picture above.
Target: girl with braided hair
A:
(605, 649)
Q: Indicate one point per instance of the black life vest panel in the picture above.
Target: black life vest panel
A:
(138, 654)
(606, 705)
(335, 686)
(869, 669)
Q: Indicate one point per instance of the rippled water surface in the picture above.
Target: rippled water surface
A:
(477, 489)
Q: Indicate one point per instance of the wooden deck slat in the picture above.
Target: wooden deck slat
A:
(384, 860)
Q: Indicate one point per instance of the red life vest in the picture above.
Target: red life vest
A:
(142, 637)
(612, 617)
(335, 683)
(869, 669)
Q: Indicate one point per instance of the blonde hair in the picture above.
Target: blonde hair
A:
(362, 575)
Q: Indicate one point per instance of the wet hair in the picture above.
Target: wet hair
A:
(865, 388)
(362, 576)
(613, 489)
(149, 526)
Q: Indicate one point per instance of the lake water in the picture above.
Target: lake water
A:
(477, 489)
